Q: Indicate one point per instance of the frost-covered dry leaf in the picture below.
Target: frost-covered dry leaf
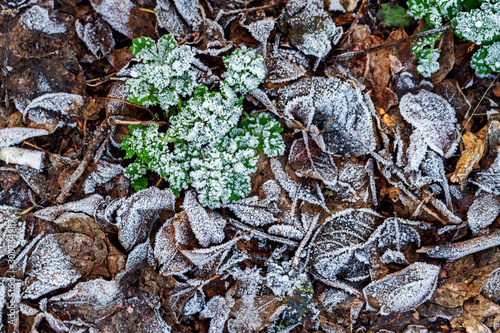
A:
(309, 27)
(308, 160)
(37, 18)
(49, 268)
(135, 213)
(169, 18)
(435, 126)
(190, 11)
(137, 260)
(259, 212)
(166, 252)
(104, 173)
(218, 310)
(297, 190)
(335, 106)
(491, 289)
(339, 250)
(404, 290)
(483, 211)
(88, 206)
(455, 251)
(15, 135)
(54, 108)
(261, 29)
(12, 229)
(208, 227)
(353, 182)
(489, 180)
(213, 41)
(97, 36)
(286, 65)
(91, 300)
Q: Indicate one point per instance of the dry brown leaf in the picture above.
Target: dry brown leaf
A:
(475, 145)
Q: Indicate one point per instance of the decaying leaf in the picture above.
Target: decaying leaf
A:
(286, 65)
(492, 287)
(309, 27)
(15, 135)
(97, 36)
(169, 18)
(483, 211)
(404, 290)
(489, 180)
(88, 206)
(474, 147)
(218, 310)
(54, 108)
(208, 227)
(166, 252)
(308, 160)
(458, 250)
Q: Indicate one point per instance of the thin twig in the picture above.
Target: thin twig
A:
(349, 55)
(36, 147)
(100, 78)
(477, 106)
(147, 10)
(304, 241)
(126, 102)
(68, 185)
(237, 11)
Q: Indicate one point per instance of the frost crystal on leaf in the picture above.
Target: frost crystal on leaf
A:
(287, 65)
(491, 288)
(104, 173)
(487, 60)
(51, 269)
(166, 252)
(217, 309)
(480, 25)
(15, 135)
(207, 227)
(435, 126)
(116, 13)
(37, 18)
(261, 29)
(404, 290)
(489, 180)
(88, 206)
(52, 108)
(483, 211)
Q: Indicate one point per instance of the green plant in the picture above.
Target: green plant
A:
(393, 15)
(477, 21)
(204, 147)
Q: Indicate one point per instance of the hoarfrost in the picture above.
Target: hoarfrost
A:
(312, 162)
(99, 293)
(261, 29)
(195, 304)
(190, 11)
(258, 212)
(483, 211)
(207, 227)
(97, 36)
(309, 27)
(489, 180)
(335, 106)
(339, 249)
(116, 13)
(491, 288)
(53, 108)
(88, 206)
(141, 255)
(15, 135)
(51, 269)
(104, 173)
(135, 213)
(37, 18)
(11, 224)
(217, 309)
(169, 19)
(404, 290)
(166, 252)
(435, 126)
(297, 191)
(288, 231)
(286, 65)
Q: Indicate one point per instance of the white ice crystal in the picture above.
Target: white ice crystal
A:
(88, 206)
(404, 290)
(99, 293)
(14, 135)
(435, 126)
(166, 252)
(104, 173)
(489, 180)
(116, 13)
(217, 309)
(37, 18)
(51, 269)
(52, 108)
(483, 211)
(207, 227)
(491, 288)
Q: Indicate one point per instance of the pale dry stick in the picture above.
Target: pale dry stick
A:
(456, 251)
(349, 55)
(417, 210)
(68, 185)
(304, 241)
(115, 121)
(147, 10)
(477, 106)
